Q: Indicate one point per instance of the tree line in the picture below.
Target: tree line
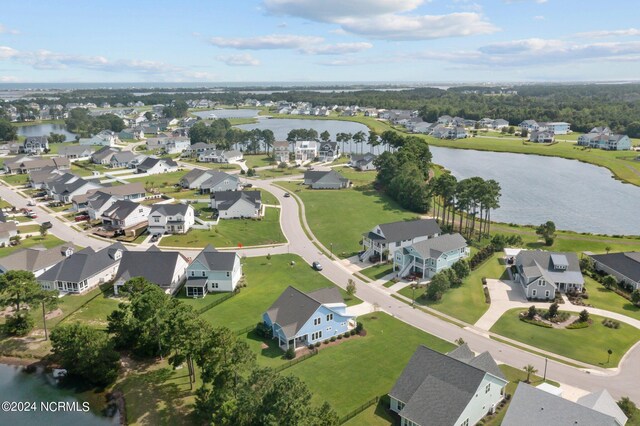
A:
(84, 124)
(221, 134)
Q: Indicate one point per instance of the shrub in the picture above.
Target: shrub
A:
(346, 335)
(326, 342)
(359, 327)
(531, 313)
(577, 324)
(263, 330)
(484, 280)
(333, 338)
(290, 354)
(310, 347)
(487, 296)
(317, 345)
(627, 406)
(535, 322)
(584, 316)
(352, 332)
(340, 336)
(19, 324)
(610, 323)
(553, 310)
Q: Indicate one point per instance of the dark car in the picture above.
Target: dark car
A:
(317, 266)
(287, 195)
(47, 225)
(248, 185)
(82, 217)
(155, 237)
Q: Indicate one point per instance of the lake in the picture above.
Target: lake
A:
(45, 130)
(228, 113)
(15, 385)
(576, 196)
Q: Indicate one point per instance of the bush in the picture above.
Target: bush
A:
(532, 312)
(577, 324)
(484, 280)
(487, 296)
(340, 336)
(482, 255)
(326, 342)
(317, 345)
(310, 347)
(535, 322)
(263, 330)
(290, 354)
(610, 323)
(359, 327)
(333, 338)
(627, 406)
(352, 332)
(584, 316)
(19, 324)
(346, 335)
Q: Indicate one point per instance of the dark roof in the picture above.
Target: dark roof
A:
(123, 157)
(293, 308)
(121, 209)
(534, 407)
(216, 260)
(226, 199)
(331, 176)
(538, 263)
(83, 264)
(33, 259)
(216, 178)
(406, 230)
(433, 248)
(104, 152)
(169, 209)
(627, 264)
(150, 162)
(154, 265)
(436, 388)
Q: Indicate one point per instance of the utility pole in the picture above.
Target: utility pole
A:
(546, 360)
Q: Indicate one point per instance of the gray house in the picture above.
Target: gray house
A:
(34, 259)
(210, 181)
(624, 266)
(447, 390)
(237, 204)
(76, 152)
(428, 257)
(35, 145)
(542, 273)
(362, 162)
(213, 271)
(325, 180)
(389, 237)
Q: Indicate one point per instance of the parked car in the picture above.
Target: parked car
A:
(154, 238)
(47, 225)
(31, 202)
(32, 215)
(82, 217)
(287, 195)
(317, 266)
(248, 185)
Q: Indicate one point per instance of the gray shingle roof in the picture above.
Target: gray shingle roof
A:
(83, 264)
(406, 230)
(216, 178)
(603, 402)
(121, 209)
(216, 260)
(226, 199)
(33, 259)
(627, 264)
(434, 247)
(534, 407)
(316, 176)
(538, 263)
(154, 265)
(169, 209)
(150, 162)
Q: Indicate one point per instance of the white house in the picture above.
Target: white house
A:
(123, 214)
(104, 138)
(362, 162)
(154, 166)
(171, 218)
(305, 151)
(213, 271)
(384, 239)
(237, 204)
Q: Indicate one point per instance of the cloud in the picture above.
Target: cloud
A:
(273, 41)
(7, 52)
(383, 19)
(5, 30)
(336, 49)
(8, 79)
(611, 33)
(241, 60)
(523, 1)
(538, 18)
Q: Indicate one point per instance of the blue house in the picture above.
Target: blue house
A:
(300, 319)
(428, 257)
(213, 271)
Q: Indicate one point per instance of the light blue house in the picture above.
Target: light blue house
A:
(300, 319)
(213, 271)
(606, 141)
(431, 256)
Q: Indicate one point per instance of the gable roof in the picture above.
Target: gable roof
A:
(534, 407)
(151, 162)
(627, 263)
(215, 260)
(83, 264)
(603, 402)
(170, 209)
(433, 248)
(406, 230)
(537, 263)
(293, 308)
(33, 259)
(123, 157)
(226, 199)
(104, 153)
(215, 178)
(316, 176)
(154, 265)
(121, 209)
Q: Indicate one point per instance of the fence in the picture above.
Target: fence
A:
(215, 303)
(359, 410)
(295, 361)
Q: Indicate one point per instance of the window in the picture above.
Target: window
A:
(316, 321)
(328, 328)
(400, 405)
(547, 294)
(329, 317)
(204, 273)
(214, 285)
(465, 423)
(228, 274)
(193, 273)
(488, 388)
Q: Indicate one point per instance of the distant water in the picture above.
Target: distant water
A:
(211, 85)
(228, 113)
(45, 130)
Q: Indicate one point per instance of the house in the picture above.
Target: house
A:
(605, 140)
(428, 257)
(210, 181)
(300, 319)
(76, 152)
(625, 267)
(34, 259)
(542, 273)
(197, 148)
(122, 159)
(305, 151)
(499, 124)
(219, 156)
(37, 179)
(104, 138)
(281, 151)
(531, 406)
(83, 270)
(384, 239)
(123, 214)
(540, 136)
(176, 145)
(557, 127)
(67, 186)
(7, 231)
(363, 162)
(440, 131)
(457, 132)
(166, 269)
(130, 191)
(237, 204)
(445, 120)
(601, 129)
(95, 203)
(213, 271)
(325, 180)
(455, 389)
(35, 145)
(328, 151)
(24, 164)
(529, 125)
(171, 218)
(103, 155)
(153, 166)
(136, 133)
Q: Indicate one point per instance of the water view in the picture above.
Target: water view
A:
(46, 129)
(227, 113)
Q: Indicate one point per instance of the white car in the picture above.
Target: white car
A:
(31, 203)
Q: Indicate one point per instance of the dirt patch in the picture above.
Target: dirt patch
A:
(53, 314)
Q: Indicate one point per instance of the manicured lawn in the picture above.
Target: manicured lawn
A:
(600, 297)
(216, 166)
(378, 271)
(588, 345)
(367, 366)
(95, 313)
(376, 415)
(358, 178)
(268, 198)
(232, 233)
(467, 301)
(353, 212)
(198, 303)
(16, 180)
(48, 242)
(25, 229)
(258, 160)
(266, 280)
(159, 180)
(278, 173)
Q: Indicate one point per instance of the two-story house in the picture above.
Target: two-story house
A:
(35, 145)
(328, 151)
(123, 214)
(104, 138)
(166, 269)
(383, 240)
(428, 257)
(208, 181)
(542, 273)
(237, 204)
(305, 151)
(171, 218)
(300, 319)
(281, 151)
(213, 271)
(363, 162)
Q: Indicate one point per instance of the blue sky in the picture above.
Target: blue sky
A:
(319, 40)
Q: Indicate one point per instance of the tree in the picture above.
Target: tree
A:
(286, 403)
(43, 230)
(628, 407)
(609, 282)
(148, 115)
(359, 138)
(351, 287)
(461, 268)
(85, 353)
(49, 302)
(609, 353)
(553, 310)
(547, 232)
(19, 289)
(584, 316)
(325, 136)
(635, 297)
(532, 312)
(7, 131)
(56, 138)
(437, 287)
(529, 369)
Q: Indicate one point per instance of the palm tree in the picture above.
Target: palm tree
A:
(529, 369)
(359, 138)
(373, 140)
(49, 302)
(268, 139)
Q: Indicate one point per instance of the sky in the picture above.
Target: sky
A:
(319, 41)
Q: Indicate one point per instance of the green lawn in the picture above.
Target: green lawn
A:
(268, 198)
(232, 233)
(278, 173)
(160, 179)
(600, 297)
(367, 366)
(25, 229)
(376, 415)
(266, 280)
(466, 302)
(16, 180)
(258, 160)
(359, 209)
(95, 313)
(587, 345)
(48, 242)
(378, 271)
(216, 166)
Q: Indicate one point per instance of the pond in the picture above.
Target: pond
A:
(228, 113)
(45, 130)
(15, 386)
(576, 196)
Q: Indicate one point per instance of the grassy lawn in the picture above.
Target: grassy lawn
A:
(603, 298)
(198, 303)
(376, 415)
(266, 280)
(160, 179)
(95, 313)
(25, 229)
(467, 301)
(387, 347)
(16, 180)
(572, 343)
(268, 198)
(216, 166)
(378, 271)
(359, 210)
(278, 173)
(232, 232)
(48, 242)
(258, 160)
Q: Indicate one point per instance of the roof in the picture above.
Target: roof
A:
(331, 176)
(104, 152)
(627, 263)
(293, 308)
(534, 407)
(433, 248)
(406, 230)
(121, 209)
(83, 264)
(170, 209)
(436, 388)
(484, 361)
(537, 263)
(150, 162)
(75, 150)
(217, 178)
(154, 265)
(123, 157)
(603, 402)
(33, 259)
(216, 260)
(226, 199)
